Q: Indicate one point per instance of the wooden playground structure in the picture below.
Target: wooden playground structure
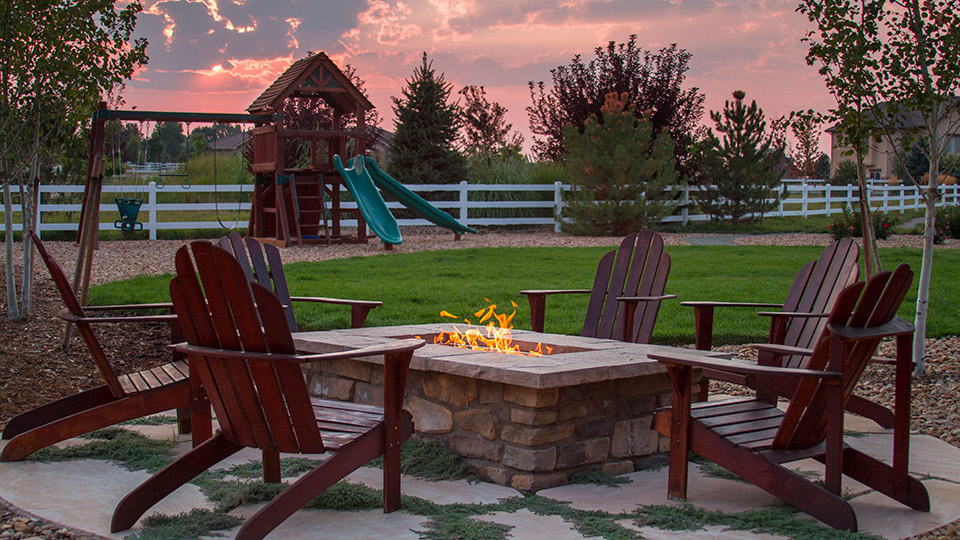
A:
(289, 203)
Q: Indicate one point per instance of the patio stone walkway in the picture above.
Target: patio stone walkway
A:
(81, 495)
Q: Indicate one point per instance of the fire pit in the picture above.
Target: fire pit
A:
(524, 421)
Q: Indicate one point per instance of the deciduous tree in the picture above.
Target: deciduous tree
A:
(885, 61)
(484, 128)
(57, 59)
(653, 83)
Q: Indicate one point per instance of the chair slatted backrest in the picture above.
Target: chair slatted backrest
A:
(72, 303)
(814, 290)
(861, 305)
(262, 263)
(639, 267)
(259, 403)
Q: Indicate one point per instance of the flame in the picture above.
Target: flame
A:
(492, 337)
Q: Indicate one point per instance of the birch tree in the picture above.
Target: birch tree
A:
(57, 58)
(897, 63)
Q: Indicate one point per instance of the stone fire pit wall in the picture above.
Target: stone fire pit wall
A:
(528, 423)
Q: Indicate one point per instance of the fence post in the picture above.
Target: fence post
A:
(152, 210)
(886, 198)
(557, 204)
(464, 197)
(685, 206)
(828, 193)
(803, 197)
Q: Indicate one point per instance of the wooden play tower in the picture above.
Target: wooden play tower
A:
(294, 205)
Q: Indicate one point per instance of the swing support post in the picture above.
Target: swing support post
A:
(87, 235)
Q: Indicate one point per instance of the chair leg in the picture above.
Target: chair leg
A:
(170, 478)
(85, 421)
(271, 466)
(346, 460)
(882, 478)
(679, 431)
(57, 410)
(775, 479)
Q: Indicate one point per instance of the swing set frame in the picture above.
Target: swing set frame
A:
(87, 235)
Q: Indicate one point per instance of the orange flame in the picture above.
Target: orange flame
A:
(494, 338)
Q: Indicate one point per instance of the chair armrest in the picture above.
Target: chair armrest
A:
(637, 299)
(543, 292)
(394, 347)
(783, 350)
(695, 359)
(538, 303)
(70, 317)
(130, 307)
(359, 309)
(703, 318)
(793, 314)
(340, 301)
(698, 303)
(895, 327)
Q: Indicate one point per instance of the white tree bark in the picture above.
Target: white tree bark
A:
(12, 303)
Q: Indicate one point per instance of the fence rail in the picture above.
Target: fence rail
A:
(61, 204)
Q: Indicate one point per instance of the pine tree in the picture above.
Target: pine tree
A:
(423, 150)
(745, 167)
(622, 182)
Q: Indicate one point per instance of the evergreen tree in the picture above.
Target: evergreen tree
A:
(745, 167)
(621, 182)
(423, 148)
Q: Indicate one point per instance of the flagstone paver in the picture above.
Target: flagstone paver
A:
(82, 494)
(526, 524)
(709, 532)
(309, 524)
(440, 492)
(650, 487)
(878, 514)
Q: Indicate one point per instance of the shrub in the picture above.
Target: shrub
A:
(841, 227)
(949, 219)
(850, 224)
(623, 176)
(845, 175)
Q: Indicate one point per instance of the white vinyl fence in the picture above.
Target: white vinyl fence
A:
(60, 205)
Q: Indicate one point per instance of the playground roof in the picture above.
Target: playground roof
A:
(313, 76)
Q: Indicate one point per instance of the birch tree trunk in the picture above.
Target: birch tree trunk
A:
(871, 258)
(31, 207)
(12, 301)
(926, 264)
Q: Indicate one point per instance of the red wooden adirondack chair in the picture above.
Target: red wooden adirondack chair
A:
(121, 398)
(626, 293)
(262, 263)
(241, 347)
(801, 319)
(752, 438)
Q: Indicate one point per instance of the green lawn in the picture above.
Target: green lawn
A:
(415, 287)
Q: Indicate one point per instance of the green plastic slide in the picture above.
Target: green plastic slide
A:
(413, 201)
(372, 207)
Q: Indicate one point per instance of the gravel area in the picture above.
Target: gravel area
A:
(30, 356)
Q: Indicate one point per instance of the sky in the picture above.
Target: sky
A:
(219, 55)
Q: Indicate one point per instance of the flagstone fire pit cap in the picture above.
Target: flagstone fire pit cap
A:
(581, 360)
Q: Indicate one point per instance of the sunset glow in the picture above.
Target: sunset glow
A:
(220, 55)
